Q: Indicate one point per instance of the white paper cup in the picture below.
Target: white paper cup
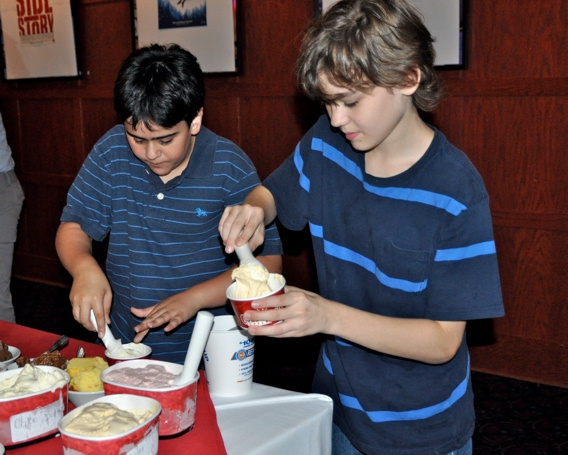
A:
(229, 358)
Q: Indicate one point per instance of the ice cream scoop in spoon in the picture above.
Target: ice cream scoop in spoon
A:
(201, 330)
(249, 266)
(110, 342)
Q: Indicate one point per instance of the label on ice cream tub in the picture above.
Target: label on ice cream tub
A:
(42, 420)
(148, 444)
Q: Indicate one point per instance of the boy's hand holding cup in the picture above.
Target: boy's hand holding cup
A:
(252, 282)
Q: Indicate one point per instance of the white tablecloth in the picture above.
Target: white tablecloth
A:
(272, 421)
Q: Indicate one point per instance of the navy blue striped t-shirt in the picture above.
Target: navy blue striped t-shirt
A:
(416, 245)
(163, 237)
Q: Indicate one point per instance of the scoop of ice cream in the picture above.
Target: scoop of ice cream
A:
(150, 376)
(254, 281)
(129, 350)
(251, 281)
(85, 373)
(105, 419)
(30, 380)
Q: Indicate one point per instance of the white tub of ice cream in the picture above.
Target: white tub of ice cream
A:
(112, 424)
(32, 401)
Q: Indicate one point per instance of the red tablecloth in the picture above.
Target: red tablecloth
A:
(205, 437)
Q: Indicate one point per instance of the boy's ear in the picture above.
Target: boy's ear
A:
(412, 81)
(195, 125)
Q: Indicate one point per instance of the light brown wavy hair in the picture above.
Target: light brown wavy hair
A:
(359, 44)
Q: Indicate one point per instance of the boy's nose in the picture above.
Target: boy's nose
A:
(336, 117)
(152, 150)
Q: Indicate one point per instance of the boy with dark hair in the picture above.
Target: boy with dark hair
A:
(157, 185)
(402, 236)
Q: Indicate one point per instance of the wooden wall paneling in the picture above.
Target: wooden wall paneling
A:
(50, 146)
(98, 117)
(106, 39)
(36, 256)
(270, 129)
(534, 284)
(221, 114)
(271, 37)
(516, 145)
(49, 150)
(518, 38)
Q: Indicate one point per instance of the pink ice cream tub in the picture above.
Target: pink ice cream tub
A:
(178, 401)
(142, 439)
(34, 415)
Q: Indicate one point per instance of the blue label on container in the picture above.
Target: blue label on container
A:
(242, 354)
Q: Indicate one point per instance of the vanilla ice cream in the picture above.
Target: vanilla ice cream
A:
(129, 350)
(30, 380)
(105, 419)
(254, 280)
(150, 376)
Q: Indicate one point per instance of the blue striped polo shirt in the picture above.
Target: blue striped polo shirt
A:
(416, 245)
(163, 237)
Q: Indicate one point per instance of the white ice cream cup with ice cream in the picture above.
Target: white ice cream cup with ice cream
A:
(276, 283)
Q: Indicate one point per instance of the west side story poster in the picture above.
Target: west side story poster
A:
(182, 13)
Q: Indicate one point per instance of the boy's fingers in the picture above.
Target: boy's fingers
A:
(140, 336)
(141, 312)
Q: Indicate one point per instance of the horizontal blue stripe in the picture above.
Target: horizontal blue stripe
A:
(466, 252)
(348, 255)
(334, 155)
(414, 414)
(437, 200)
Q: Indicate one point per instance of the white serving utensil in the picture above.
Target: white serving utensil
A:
(201, 330)
(246, 257)
(110, 342)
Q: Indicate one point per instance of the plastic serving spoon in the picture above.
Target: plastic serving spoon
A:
(246, 257)
(110, 342)
(203, 325)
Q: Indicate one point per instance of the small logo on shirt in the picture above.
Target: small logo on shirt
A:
(201, 213)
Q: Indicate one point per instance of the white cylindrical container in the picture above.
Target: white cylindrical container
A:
(229, 358)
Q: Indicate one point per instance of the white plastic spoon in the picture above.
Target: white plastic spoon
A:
(110, 342)
(246, 257)
(201, 330)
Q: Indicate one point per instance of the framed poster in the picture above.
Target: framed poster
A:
(446, 20)
(206, 28)
(38, 39)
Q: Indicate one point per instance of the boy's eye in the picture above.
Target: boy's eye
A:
(166, 141)
(350, 104)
